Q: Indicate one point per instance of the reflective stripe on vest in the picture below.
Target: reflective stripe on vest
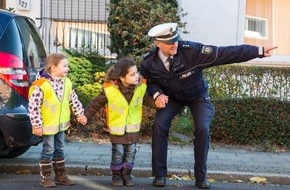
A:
(55, 112)
(122, 116)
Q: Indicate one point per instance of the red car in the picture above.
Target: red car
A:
(22, 54)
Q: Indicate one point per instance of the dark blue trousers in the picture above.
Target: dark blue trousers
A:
(202, 111)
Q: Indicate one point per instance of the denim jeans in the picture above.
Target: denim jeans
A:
(53, 146)
(123, 155)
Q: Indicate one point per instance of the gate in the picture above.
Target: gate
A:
(79, 25)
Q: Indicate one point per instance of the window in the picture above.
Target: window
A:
(35, 53)
(255, 27)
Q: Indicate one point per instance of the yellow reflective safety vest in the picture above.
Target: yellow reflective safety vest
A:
(55, 112)
(123, 116)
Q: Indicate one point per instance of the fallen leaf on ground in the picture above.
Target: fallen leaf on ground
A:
(239, 181)
(179, 177)
(259, 180)
(212, 180)
(174, 177)
(23, 172)
(187, 178)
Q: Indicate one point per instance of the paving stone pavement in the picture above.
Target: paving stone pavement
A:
(228, 161)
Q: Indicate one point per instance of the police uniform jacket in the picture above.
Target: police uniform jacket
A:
(185, 81)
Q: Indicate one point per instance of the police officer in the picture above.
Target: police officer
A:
(173, 69)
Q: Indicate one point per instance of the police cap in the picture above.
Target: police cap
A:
(167, 33)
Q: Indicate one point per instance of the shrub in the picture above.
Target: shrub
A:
(130, 20)
(251, 121)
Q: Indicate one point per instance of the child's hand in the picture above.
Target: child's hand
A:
(161, 101)
(82, 119)
(36, 130)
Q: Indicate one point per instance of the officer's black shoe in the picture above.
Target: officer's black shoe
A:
(159, 181)
(202, 184)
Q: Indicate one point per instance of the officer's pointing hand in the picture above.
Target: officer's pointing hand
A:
(267, 51)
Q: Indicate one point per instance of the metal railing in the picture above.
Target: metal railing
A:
(79, 25)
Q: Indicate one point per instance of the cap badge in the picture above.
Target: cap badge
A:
(171, 32)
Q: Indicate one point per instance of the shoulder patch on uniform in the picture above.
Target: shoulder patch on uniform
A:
(206, 49)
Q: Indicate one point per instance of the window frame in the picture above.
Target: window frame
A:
(256, 33)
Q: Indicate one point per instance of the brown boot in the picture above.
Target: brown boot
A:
(59, 170)
(45, 172)
(116, 178)
(127, 178)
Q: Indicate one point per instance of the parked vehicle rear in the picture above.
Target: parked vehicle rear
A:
(22, 54)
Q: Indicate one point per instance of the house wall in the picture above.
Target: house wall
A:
(217, 22)
(222, 22)
(278, 23)
(281, 26)
(30, 8)
(261, 9)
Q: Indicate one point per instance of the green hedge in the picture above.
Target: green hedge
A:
(251, 121)
(252, 105)
(239, 81)
(87, 72)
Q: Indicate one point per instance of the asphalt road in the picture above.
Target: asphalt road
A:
(31, 182)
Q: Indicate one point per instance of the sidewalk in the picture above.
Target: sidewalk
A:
(87, 157)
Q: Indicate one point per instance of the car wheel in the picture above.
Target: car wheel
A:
(16, 152)
(6, 152)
